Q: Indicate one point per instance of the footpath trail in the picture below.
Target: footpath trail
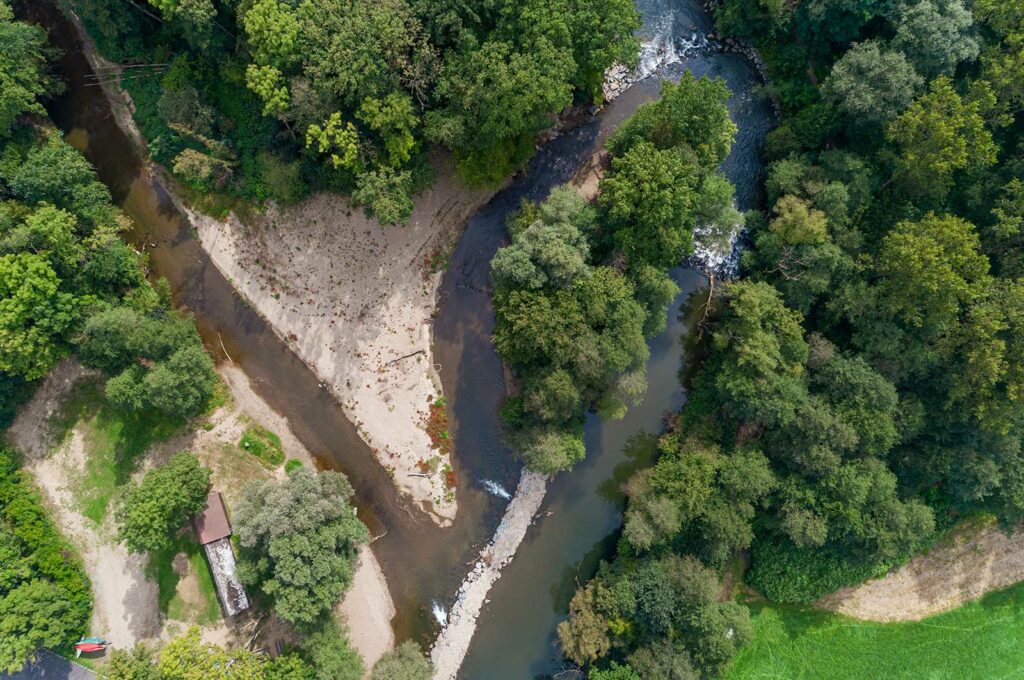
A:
(973, 560)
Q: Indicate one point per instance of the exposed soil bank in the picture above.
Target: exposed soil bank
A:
(355, 301)
(974, 560)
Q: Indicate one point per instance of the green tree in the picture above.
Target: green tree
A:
(691, 114)
(151, 511)
(386, 194)
(332, 655)
(930, 269)
(299, 542)
(33, 614)
(189, 658)
(339, 140)
(614, 672)
(56, 173)
(542, 255)
(935, 35)
(269, 85)
(405, 662)
(36, 316)
(647, 202)
(758, 355)
(273, 30)
(871, 86)
(23, 75)
(938, 135)
(134, 664)
(496, 98)
(394, 119)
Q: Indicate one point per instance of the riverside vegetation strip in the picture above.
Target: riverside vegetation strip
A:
(867, 370)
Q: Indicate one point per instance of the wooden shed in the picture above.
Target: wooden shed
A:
(214, 531)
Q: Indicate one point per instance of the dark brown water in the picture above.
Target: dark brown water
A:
(418, 558)
(423, 563)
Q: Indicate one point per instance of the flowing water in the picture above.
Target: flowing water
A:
(581, 516)
(229, 325)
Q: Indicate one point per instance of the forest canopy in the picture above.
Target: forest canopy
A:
(273, 98)
(861, 384)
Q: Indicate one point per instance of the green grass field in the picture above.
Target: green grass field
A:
(983, 640)
(161, 570)
(114, 440)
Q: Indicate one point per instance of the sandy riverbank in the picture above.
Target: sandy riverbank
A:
(126, 608)
(973, 561)
(355, 301)
(367, 610)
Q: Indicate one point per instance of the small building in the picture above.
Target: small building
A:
(214, 531)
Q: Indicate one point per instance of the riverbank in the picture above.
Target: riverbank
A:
(356, 301)
(975, 559)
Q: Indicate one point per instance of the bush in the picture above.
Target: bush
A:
(782, 572)
(264, 444)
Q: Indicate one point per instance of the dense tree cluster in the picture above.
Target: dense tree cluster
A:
(580, 287)
(299, 540)
(45, 598)
(861, 387)
(268, 98)
(68, 281)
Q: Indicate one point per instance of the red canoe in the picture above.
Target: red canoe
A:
(89, 647)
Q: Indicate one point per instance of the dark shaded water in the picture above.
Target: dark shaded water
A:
(581, 515)
(583, 510)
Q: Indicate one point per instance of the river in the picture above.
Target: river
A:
(581, 516)
(582, 513)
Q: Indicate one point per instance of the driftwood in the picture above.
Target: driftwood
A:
(707, 306)
(418, 474)
(412, 354)
(224, 349)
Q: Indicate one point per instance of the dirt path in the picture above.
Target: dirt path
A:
(974, 560)
(126, 603)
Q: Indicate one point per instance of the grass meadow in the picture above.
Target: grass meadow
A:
(983, 639)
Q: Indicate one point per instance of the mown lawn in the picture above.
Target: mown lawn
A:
(161, 569)
(983, 639)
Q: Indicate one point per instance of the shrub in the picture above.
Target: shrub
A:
(264, 444)
(782, 572)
